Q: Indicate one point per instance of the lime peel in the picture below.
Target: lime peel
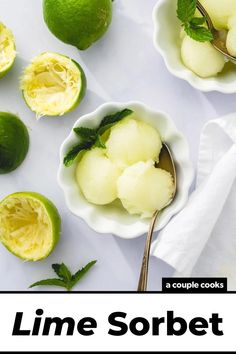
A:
(30, 225)
(7, 49)
(53, 84)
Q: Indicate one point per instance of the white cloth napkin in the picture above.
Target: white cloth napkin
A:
(201, 239)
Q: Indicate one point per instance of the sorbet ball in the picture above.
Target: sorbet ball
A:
(231, 36)
(201, 57)
(131, 141)
(220, 11)
(143, 189)
(97, 177)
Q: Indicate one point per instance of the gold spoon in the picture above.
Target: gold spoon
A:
(219, 41)
(166, 162)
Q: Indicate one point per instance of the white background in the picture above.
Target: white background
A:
(101, 306)
(122, 66)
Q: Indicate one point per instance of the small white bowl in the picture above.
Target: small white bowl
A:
(167, 41)
(113, 219)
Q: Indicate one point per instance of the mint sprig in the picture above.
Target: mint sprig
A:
(193, 25)
(93, 137)
(186, 10)
(196, 32)
(65, 278)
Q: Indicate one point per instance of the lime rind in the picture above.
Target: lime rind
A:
(14, 142)
(7, 50)
(83, 86)
(30, 225)
(53, 84)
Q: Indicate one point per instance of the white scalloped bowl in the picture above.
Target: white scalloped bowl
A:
(113, 219)
(167, 42)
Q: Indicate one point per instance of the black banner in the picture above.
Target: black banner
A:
(194, 285)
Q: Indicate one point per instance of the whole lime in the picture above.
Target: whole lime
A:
(14, 142)
(78, 22)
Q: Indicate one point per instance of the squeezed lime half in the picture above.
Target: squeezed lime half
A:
(14, 142)
(7, 49)
(30, 225)
(53, 84)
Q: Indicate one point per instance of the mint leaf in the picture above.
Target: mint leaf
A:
(62, 271)
(81, 273)
(55, 282)
(73, 153)
(86, 133)
(56, 268)
(99, 143)
(193, 25)
(186, 10)
(112, 119)
(200, 34)
(88, 138)
(198, 21)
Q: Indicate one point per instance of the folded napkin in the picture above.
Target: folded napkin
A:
(201, 239)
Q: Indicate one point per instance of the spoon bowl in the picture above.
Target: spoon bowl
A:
(219, 41)
(166, 162)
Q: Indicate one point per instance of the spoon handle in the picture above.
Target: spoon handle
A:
(142, 285)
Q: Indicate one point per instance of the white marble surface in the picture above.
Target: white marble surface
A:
(122, 66)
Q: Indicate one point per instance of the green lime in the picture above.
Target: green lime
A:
(14, 142)
(7, 50)
(78, 22)
(53, 84)
(30, 225)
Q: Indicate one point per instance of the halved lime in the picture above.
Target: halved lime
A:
(53, 84)
(14, 142)
(7, 49)
(30, 225)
